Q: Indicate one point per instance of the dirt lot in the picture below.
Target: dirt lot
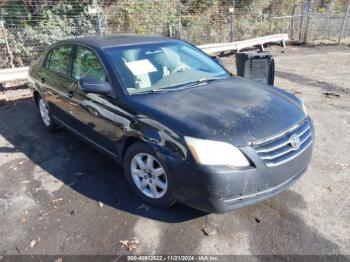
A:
(60, 196)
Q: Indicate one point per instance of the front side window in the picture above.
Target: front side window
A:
(60, 58)
(151, 67)
(87, 64)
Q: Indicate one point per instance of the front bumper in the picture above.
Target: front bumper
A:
(222, 189)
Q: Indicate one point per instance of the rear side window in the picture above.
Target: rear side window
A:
(86, 63)
(59, 59)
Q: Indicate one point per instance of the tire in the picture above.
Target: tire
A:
(151, 176)
(45, 115)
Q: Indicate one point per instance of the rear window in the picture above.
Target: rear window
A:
(59, 59)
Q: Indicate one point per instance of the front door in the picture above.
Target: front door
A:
(94, 113)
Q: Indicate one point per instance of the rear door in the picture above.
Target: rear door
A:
(56, 81)
(94, 114)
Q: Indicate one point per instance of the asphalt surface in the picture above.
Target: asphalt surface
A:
(58, 195)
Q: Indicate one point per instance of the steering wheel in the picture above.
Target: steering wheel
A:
(182, 67)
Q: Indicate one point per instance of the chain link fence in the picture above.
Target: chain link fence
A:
(27, 27)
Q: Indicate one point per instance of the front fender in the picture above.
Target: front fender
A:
(159, 137)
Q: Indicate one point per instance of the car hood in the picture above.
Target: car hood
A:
(234, 110)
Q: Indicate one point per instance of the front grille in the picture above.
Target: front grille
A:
(278, 149)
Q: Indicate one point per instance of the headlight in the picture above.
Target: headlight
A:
(304, 109)
(209, 152)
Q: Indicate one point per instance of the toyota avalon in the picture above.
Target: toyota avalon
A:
(184, 128)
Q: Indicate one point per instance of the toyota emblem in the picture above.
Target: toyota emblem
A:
(295, 142)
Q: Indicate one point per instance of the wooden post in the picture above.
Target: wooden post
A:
(271, 15)
(329, 18)
(232, 11)
(344, 22)
(329, 28)
(180, 19)
(302, 20)
(307, 21)
(4, 33)
(292, 22)
(347, 27)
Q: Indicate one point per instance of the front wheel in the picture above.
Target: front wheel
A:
(147, 176)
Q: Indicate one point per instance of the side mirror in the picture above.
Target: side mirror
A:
(94, 85)
(218, 60)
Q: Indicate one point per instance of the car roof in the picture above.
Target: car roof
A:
(116, 40)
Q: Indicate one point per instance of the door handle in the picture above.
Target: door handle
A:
(70, 94)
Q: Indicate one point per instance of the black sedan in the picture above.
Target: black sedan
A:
(183, 127)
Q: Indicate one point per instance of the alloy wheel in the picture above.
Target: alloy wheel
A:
(149, 175)
(44, 112)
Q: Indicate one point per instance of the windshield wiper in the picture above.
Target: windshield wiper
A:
(152, 91)
(170, 88)
(182, 86)
(209, 79)
(204, 80)
(191, 83)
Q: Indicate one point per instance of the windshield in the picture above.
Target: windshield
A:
(153, 67)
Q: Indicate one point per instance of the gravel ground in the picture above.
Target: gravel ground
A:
(60, 196)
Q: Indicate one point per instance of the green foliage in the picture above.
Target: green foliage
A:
(13, 10)
(62, 20)
(197, 23)
(144, 16)
(32, 25)
(197, 6)
(338, 8)
(59, 21)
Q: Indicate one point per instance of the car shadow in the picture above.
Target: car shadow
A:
(281, 229)
(77, 164)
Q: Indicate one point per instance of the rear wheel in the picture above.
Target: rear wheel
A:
(147, 176)
(45, 114)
